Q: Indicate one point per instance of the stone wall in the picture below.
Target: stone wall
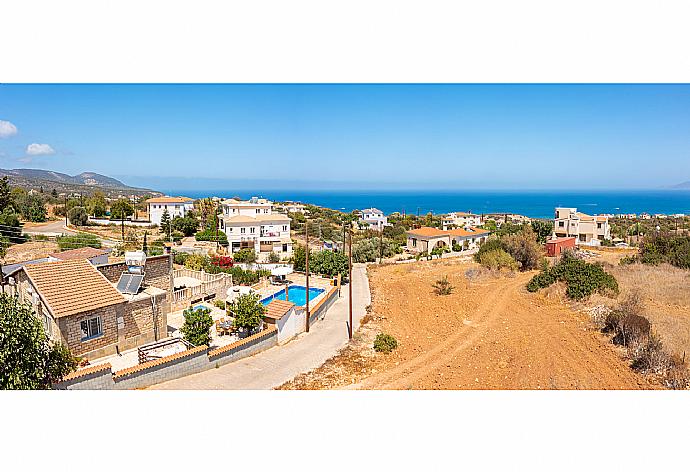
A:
(244, 347)
(70, 327)
(156, 271)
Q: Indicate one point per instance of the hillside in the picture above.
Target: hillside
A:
(682, 186)
(86, 182)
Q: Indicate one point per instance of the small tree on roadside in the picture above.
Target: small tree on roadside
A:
(78, 216)
(28, 360)
(197, 326)
(248, 312)
(443, 286)
(121, 209)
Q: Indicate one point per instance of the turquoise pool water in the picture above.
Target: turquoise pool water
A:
(297, 294)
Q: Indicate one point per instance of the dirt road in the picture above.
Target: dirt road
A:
(490, 333)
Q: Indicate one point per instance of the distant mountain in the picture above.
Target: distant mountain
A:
(682, 186)
(84, 182)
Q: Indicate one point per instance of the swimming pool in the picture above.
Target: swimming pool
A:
(297, 294)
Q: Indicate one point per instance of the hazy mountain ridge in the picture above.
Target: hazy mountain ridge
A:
(86, 182)
(682, 185)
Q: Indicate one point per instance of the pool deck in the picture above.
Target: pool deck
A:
(301, 280)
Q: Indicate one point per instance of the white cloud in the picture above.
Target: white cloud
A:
(39, 150)
(7, 129)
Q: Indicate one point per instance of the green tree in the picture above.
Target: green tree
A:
(121, 209)
(248, 312)
(187, 225)
(31, 207)
(11, 227)
(524, 248)
(145, 246)
(245, 255)
(5, 193)
(542, 229)
(28, 360)
(78, 216)
(197, 326)
(96, 204)
(299, 253)
(165, 222)
(329, 263)
(54, 193)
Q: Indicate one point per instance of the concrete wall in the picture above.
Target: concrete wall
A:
(192, 361)
(169, 368)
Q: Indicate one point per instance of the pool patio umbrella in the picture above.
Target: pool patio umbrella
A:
(281, 271)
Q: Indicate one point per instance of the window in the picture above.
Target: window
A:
(258, 210)
(265, 210)
(598, 225)
(284, 227)
(251, 230)
(560, 224)
(242, 230)
(414, 242)
(91, 328)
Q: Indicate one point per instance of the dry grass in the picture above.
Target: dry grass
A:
(665, 291)
(29, 250)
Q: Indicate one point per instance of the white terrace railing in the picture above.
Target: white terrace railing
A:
(209, 283)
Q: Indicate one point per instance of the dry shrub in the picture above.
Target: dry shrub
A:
(627, 322)
(649, 356)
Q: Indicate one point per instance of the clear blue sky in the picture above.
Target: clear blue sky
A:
(373, 136)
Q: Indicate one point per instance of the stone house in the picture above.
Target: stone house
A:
(79, 306)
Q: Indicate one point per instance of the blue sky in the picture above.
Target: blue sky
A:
(360, 136)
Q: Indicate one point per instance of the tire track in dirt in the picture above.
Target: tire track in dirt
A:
(408, 373)
(516, 340)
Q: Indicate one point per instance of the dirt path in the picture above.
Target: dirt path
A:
(488, 334)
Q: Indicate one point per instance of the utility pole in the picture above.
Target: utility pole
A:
(66, 223)
(349, 285)
(306, 263)
(122, 221)
(217, 224)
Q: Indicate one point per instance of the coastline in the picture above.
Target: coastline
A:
(532, 203)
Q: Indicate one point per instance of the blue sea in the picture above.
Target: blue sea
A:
(535, 204)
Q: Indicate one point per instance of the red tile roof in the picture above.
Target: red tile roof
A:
(278, 308)
(79, 253)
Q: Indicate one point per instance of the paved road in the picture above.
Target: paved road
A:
(54, 228)
(277, 365)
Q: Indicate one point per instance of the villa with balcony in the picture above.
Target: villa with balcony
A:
(255, 225)
(587, 229)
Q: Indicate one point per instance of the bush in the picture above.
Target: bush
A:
(210, 235)
(674, 249)
(224, 262)
(368, 250)
(180, 257)
(581, 278)
(197, 326)
(385, 343)
(273, 257)
(78, 241)
(627, 260)
(245, 255)
(492, 244)
(498, 259)
(329, 263)
(196, 262)
(456, 247)
(78, 216)
(443, 286)
(524, 248)
(219, 304)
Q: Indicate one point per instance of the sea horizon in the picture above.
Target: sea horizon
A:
(531, 203)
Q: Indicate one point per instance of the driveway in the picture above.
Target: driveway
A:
(275, 366)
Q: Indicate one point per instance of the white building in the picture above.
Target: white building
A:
(176, 206)
(460, 219)
(253, 224)
(587, 229)
(373, 218)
